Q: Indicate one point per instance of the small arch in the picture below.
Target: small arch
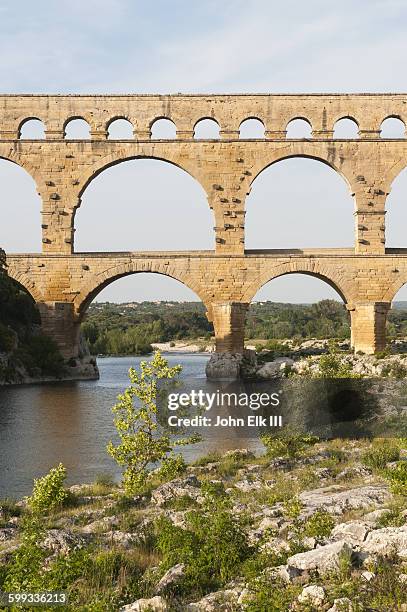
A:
(206, 129)
(31, 128)
(77, 128)
(120, 129)
(251, 128)
(163, 129)
(346, 128)
(392, 127)
(299, 127)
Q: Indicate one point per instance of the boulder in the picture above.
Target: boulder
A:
(62, 541)
(102, 525)
(321, 559)
(275, 369)
(8, 533)
(177, 488)
(352, 532)
(384, 542)
(154, 604)
(222, 601)
(171, 577)
(335, 500)
(343, 604)
(284, 572)
(313, 595)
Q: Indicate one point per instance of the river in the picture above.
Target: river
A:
(42, 425)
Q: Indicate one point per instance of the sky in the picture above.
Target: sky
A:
(130, 46)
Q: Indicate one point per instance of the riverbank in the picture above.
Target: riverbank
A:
(310, 525)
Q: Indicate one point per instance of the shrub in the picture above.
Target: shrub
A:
(143, 440)
(333, 366)
(381, 453)
(319, 525)
(213, 547)
(287, 445)
(48, 492)
(398, 478)
(171, 467)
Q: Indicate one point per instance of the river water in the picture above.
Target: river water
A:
(42, 425)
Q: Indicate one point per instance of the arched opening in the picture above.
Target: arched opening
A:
(77, 129)
(144, 205)
(251, 128)
(299, 128)
(20, 230)
(163, 129)
(297, 306)
(299, 203)
(396, 213)
(120, 129)
(32, 129)
(392, 127)
(396, 326)
(206, 129)
(134, 313)
(346, 128)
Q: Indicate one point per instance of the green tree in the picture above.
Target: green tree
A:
(143, 441)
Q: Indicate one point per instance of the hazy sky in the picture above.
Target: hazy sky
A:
(114, 46)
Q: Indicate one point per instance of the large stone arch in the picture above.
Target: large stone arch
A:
(307, 150)
(98, 282)
(324, 273)
(95, 169)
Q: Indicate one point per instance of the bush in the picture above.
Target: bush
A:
(319, 525)
(382, 452)
(287, 445)
(7, 339)
(171, 467)
(398, 478)
(48, 492)
(212, 547)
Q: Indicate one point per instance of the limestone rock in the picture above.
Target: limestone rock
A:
(8, 533)
(275, 369)
(220, 601)
(385, 541)
(171, 577)
(313, 595)
(154, 604)
(336, 500)
(63, 541)
(179, 487)
(102, 525)
(320, 559)
(343, 604)
(352, 532)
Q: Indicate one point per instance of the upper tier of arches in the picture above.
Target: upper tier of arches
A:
(371, 113)
(166, 128)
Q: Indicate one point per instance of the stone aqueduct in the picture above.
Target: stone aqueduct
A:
(64, 282)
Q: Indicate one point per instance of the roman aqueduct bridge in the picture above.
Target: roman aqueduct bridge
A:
(63, 282)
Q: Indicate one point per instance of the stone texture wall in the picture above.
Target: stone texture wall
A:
(226, 279)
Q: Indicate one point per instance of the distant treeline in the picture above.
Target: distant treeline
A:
(129, 329)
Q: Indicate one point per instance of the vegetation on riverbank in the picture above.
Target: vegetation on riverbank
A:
(131, 329)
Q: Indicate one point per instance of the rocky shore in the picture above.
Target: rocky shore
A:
(320, 527)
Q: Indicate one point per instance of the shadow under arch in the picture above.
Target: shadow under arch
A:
(100, 282)
(24, 283)
(285, 270)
